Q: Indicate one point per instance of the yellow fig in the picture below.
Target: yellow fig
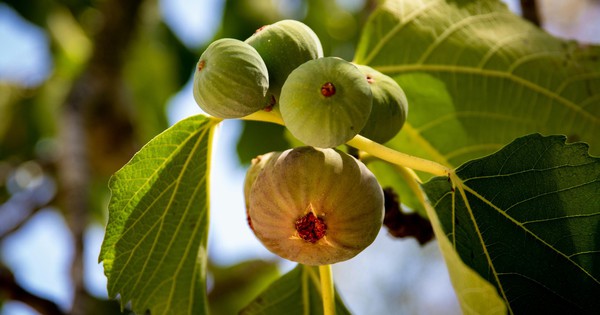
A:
(315, 206)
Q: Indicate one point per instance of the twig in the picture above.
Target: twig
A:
(11, 289)
(530, 11)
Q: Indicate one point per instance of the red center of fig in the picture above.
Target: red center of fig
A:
(310, 228)
(201, 65)
(328, 89)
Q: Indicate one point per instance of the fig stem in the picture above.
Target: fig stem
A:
(327, 289)
(399, 158)
(272, 116)
(371, 147)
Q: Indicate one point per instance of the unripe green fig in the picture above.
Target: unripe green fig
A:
(325, 102)
(390, 106)
(231, 79)
(256, 166)
(316, 206)
(284, 46)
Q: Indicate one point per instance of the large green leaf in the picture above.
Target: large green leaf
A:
(477, 76)
(295, 293)
(154, 250)
(527, 219)
(475, 295)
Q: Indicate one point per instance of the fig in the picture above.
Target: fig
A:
(390, 106)
(325, 102)
(256, 166)
(284, 46)
(231, 79)
(316, 206)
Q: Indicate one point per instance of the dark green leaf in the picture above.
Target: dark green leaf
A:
(154, 251)
(295, 293)
(527, 219)
(259, 138)
(237, 285)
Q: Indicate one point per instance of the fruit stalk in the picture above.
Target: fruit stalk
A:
(327, 289)
(398, 158)
(373, 148)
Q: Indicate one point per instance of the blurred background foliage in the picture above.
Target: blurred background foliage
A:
(112, 66)
(109, 70)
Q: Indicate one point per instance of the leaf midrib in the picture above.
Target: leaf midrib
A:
(205, 128)
(462, 187)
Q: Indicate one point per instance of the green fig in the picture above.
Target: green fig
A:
(325, 102)
(316, 206)
(284, 46)
(390, 106)
(231, 79)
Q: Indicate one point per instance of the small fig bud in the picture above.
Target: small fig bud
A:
(316, 206)
(325, 102)
(284, 46)
(231, 79)
(258, 163)
(390, 106)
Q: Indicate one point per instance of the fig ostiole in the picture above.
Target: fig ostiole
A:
(325, 102)
(284, 46)
(315, 206)
(390, 106)
(231, 80)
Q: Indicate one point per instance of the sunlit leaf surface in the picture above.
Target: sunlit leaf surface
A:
(477, 76)
(154, 251)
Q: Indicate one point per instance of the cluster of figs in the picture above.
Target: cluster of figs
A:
(313, 204)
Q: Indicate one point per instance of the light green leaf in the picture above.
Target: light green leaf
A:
(154, 250)
(295, 293)
(527, 219)
(477, 76)
(475, 295)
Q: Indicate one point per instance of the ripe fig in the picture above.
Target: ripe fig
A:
(390, 106)
(325, 102)
(231, 79)
(284, 46)
(316, 206)
(258, 163)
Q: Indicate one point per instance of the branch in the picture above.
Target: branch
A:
(11, 289)
(93, 96)
(530, 11)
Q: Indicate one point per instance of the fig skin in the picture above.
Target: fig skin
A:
(284, 46)
(390, 106)
(325, 102)
(338, 189)
(231, 79)
(257, 165)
